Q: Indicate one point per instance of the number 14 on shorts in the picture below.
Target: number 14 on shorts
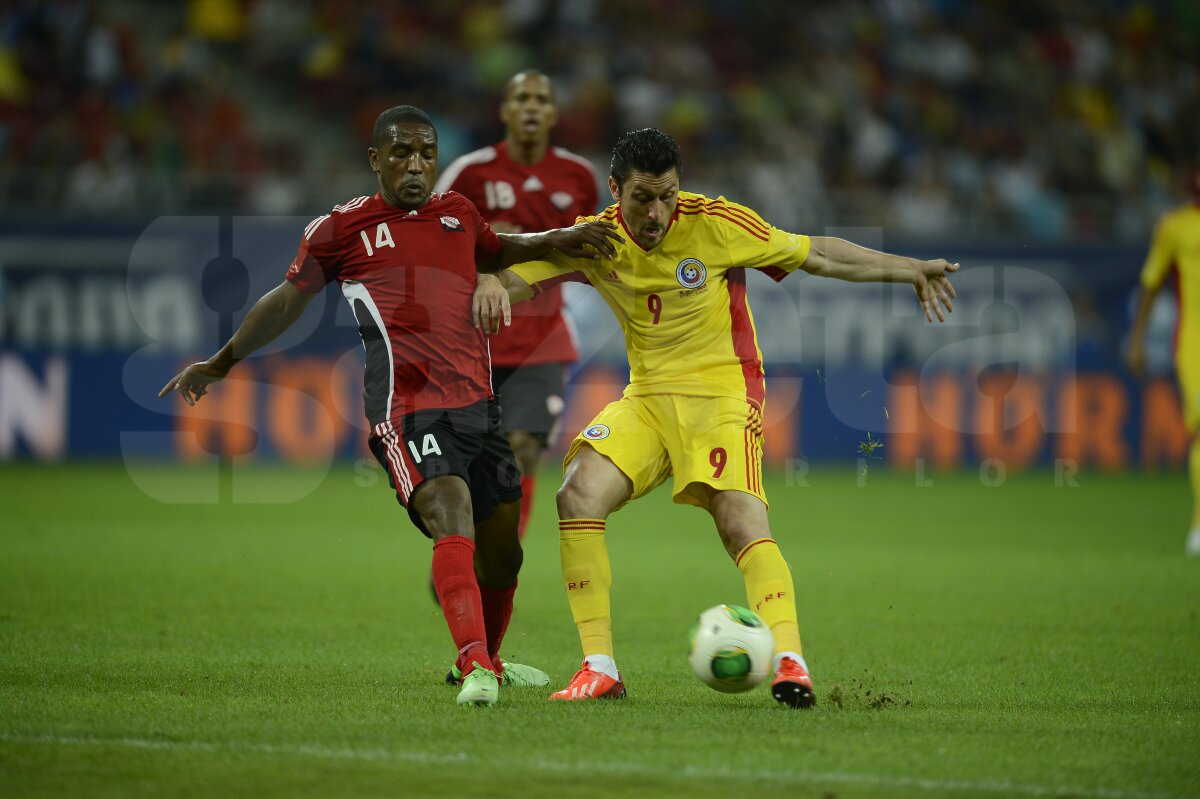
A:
(429, 446)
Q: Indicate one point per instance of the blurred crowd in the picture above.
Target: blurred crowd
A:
(928, 118)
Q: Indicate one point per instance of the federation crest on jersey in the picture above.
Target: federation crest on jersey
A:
(690, 273)
(451, 223)
(562, 200)
(597, 432)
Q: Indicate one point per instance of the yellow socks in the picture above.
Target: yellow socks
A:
(587, 577)
(769, 591)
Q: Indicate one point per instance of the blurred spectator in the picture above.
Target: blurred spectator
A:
(1046, 121)
(106, 184)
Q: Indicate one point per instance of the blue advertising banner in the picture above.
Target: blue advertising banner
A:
(94, 320)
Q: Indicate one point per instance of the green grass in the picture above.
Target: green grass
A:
(1025, 640)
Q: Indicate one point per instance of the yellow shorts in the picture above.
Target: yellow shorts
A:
(703, 441)
(1188, 372)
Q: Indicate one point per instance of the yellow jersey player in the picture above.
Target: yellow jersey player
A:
(1175, 250)
(693, 408)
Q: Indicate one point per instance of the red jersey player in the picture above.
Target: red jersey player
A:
(524, 185)
(406, 261)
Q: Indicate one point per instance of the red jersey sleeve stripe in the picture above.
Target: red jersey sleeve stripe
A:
(570, 277)
(774, 272)
(756, 234)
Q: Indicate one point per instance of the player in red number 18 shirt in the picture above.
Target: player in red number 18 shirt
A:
(523, 185)
(406, 262)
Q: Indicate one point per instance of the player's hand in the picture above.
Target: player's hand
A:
(193, 382)
(933, 288)
(490, 305)
(593, 240)
(505, 227)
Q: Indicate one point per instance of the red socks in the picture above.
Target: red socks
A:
(527, 483)
(458, 591)
(497, 612)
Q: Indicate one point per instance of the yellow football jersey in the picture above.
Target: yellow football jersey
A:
(1176, 247)
(682, 305)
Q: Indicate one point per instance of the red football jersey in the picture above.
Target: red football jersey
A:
(550, 194)
(409, 277)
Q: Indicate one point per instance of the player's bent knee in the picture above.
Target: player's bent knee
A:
(592, 487)
(577, 499)
(444, 505)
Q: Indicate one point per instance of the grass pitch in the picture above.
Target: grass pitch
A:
(1021, 640)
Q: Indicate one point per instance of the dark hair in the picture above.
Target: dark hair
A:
(646, 150)
(397, 115)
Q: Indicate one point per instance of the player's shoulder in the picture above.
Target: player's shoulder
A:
(573, 161)
(1188, 215)
(326, 224)
(721, 212)
(465, 164)
(451, 200)
(609, 214)
(720, 203)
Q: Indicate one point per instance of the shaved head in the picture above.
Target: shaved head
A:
(527, 74)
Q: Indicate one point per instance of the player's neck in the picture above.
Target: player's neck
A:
(526, 153)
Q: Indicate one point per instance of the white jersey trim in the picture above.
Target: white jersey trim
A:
(357, 291)
(353, 205)
(313, 225)
(357, 202)
(481, 156)
(395, 455)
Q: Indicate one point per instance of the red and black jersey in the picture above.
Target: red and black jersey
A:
(550, 194)
(409, 277)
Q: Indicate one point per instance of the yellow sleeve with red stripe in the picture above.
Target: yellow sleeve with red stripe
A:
(556, 269)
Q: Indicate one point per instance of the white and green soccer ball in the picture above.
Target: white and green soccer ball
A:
(731, 648)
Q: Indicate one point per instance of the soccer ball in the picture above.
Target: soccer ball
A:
(731, 648)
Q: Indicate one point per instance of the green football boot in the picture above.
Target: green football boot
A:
(480, 687)
(515, 675)
(512, 675)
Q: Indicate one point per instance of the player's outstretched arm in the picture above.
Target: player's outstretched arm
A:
(588, 240)
(274, 313)
(844, 260)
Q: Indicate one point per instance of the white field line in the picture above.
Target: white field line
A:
(744, 776)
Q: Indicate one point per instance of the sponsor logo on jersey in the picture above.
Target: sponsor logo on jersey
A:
(562, 201)
(690, 273)
(613, 277)
(451, 223)
(597, 432)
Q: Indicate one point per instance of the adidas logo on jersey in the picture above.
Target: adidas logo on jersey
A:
(532, 184)
(613, 277)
